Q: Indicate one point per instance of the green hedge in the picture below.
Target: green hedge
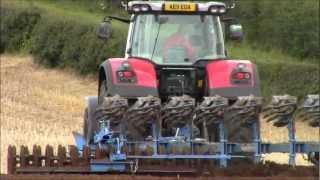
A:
(289, 78)
(16, 28)
(57, 42)
(289, 25)
(280, 73)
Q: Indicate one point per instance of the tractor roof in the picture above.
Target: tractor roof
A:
(169, 7)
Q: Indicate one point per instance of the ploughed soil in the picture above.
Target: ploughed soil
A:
(268, 171)
(147, 177)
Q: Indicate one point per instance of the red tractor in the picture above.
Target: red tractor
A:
(176, 52)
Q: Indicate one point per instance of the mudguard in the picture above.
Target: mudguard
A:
(144, 70)
(220, 82)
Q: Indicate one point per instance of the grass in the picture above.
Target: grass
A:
(43, 106)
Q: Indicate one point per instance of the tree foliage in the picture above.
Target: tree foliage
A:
(289, 25)
(57, 42)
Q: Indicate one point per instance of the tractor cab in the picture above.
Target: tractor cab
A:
(176, 33)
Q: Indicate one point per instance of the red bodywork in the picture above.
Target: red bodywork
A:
(144, 71)
(219, 73)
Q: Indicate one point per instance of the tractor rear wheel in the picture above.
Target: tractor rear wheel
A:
(102, 91)
(89, 122)
(85, 123)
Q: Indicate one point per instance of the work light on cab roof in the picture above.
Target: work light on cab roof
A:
(135, 7)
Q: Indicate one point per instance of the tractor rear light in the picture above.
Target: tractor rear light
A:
(247, 76)
(239, 76)
(242, 76)
(120, 74)
(126, 76)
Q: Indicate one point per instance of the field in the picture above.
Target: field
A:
(39, 106)
(43, 106)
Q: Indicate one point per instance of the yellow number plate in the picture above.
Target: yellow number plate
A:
(180, 7)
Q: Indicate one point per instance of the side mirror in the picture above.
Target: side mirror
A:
(104, 30)
(235, 32)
